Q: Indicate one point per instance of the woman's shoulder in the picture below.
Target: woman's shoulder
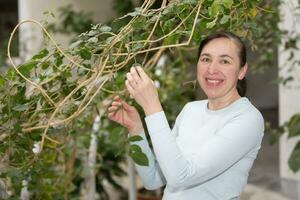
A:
(247, 109)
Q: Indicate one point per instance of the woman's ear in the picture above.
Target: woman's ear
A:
(243, 71)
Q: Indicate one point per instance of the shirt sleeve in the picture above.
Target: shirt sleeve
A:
(231, 143)
(151, 175)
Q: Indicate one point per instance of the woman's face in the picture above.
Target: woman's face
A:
(218, 68)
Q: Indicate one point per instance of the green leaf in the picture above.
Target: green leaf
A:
(294, 130)
(43, 53)
(286, 80)
(115, 135)
(85, 54)
(190, 2)
(135, 148)
(75, 44)
(27, 67)
(105, 28)
(109, 39)
(135, 138)
(224, 19)
(138, 156)
(58, 59)
(139, 23)
(20, 107)
(169, 24)
(2, 81)
(214, 9)
(137, 11)
(172, 39)
(294, 160)
(211, 24)
(93, 40)
(45, 65)
(227, 3)
(252, 13)
(294, 126)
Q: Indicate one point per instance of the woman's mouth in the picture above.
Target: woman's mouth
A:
(213, 82)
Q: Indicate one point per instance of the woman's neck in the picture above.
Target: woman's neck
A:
(218, 103)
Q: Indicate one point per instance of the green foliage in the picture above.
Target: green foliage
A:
(135, 138)
(294, 160)
(294, 125)
(72, 21)
(137, 155)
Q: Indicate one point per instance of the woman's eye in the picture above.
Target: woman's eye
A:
(225, 62)
(205, 60)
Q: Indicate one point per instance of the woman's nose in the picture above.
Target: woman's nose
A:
(212, 67)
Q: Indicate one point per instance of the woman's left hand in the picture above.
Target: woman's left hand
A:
(143, 90)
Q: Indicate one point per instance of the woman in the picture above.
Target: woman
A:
(211, 148)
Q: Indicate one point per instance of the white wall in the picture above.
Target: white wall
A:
(289, 105)
(33, 9)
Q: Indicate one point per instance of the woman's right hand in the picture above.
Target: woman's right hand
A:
(125, 115)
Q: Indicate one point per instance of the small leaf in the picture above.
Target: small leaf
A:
(227, 3)
(85, 54)
(214, 9)
(41, 54)
(138, 156)
(211, 24)
(27, 67)
(20, 107)
(294, 160)
(109, 39)
(294, 130)
(288, 79)
(252, 13)
(224, 19)
(93, 40)
(92, 33)
(2, 81)
(105, 28)
(75, 44)
(172, 39)
(138, 11)
(294, 126)
(135, 138)
(135, 148)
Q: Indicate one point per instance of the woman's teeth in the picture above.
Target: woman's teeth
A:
(213, 81)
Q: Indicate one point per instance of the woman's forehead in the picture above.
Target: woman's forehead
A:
(220, 47)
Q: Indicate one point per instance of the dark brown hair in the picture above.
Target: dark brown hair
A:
(241, 84)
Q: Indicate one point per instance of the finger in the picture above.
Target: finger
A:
(125, 105)
(116, 98)
(129, 88)
(142, 73)
(112, 109)
(116, 103)
(111, 116)
(135, 75)
(119, 102)
(131, 81)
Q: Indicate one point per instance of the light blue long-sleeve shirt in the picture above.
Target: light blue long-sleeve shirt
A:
(207, 155)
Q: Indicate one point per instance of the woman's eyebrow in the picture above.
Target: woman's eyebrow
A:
(205, 54)
(225, 55)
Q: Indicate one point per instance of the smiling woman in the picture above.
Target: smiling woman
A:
(222, 63)
(214, 142)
